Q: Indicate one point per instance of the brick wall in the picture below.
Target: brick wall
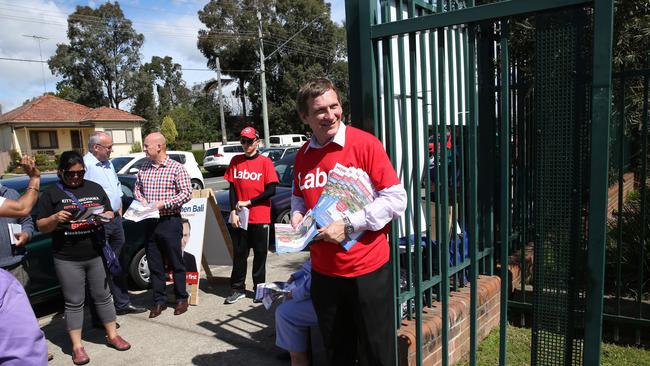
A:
(459, 334)
(612, 192)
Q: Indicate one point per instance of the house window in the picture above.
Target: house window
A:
(43, 140)
(121, 136)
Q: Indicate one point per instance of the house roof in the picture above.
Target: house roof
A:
(49, 108)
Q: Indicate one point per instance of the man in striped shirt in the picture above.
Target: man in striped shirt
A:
(165, 184)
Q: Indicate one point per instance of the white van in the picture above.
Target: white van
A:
(287, 140)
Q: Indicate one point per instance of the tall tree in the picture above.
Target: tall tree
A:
(102, 58)
(168, 129)
(315, 47)
(231, 35)
(167, 79)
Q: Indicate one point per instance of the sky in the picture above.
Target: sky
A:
(170, 28)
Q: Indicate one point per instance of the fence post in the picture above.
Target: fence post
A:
(600, 117)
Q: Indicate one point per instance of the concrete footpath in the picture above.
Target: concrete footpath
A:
(210, 333)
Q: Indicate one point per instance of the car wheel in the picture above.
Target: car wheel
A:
(284, 217)
(196, 184)
(139, 270)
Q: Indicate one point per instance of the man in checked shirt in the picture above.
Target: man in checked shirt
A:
(165, 184)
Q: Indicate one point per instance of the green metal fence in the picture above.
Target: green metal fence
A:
(518, 156)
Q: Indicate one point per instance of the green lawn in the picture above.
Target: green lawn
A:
(518, 352)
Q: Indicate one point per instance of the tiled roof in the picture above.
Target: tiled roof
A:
(110, 114)
(49, 108)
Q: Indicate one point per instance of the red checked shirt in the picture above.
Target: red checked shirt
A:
(168, 182)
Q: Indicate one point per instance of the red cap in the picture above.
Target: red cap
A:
(249, 132)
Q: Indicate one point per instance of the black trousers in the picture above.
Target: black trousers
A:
(256, 238)
(355, 316)
(164, 242)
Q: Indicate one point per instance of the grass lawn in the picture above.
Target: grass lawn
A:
(518, 351)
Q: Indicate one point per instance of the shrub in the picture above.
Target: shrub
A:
(199, 155)
(136, 147)
(631, 246)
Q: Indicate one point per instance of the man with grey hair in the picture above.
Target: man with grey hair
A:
(100, 170)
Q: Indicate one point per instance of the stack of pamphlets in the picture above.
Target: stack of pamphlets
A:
(348, 190)
(138, 212)
(272, 291)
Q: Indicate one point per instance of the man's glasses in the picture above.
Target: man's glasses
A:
(110, 147)
(245, 141)
(73, 174)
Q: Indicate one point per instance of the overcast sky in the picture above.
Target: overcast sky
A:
(169, 27)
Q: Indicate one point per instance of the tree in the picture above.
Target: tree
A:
(318, 49)
(167, 79)
(168, 129)
(102, 60)
(231, 35)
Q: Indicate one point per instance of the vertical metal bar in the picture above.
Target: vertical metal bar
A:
(600, 117)
(425, 153)
(504, 153)
(389, 116)
(441, 186)
(415, 194)
(451, 123)
(473, 189)
(435, 87)
(619, 241)
(643, 208)
(405, 153)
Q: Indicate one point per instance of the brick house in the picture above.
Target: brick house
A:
(50, 125)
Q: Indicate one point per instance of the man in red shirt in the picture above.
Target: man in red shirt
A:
(252, 180)
(351, 290)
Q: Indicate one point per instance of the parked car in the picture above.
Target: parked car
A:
(277, 153)
(218, 158)
(287, 140)
(131, 163)
(39, 264)
(280, 202)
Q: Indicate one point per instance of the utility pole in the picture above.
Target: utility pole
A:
(224, 140)
(265, 112)
(39, 38)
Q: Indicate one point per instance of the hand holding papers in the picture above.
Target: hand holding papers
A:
(138, 212)
(243, 217)
(89, 212)
(272, 291)
(14, 229)
(348, 190)
(290, 240)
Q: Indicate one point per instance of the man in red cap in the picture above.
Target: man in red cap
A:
(252, 180)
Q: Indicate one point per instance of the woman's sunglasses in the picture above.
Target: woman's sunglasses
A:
(76, 173)
(245, 141)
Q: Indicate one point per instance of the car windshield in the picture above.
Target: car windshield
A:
(285, 172)
(273, 154)
(119, 163)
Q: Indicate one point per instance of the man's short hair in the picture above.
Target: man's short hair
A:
(95, 139)
(313, 89)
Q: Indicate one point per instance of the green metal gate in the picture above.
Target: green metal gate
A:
(518, 155)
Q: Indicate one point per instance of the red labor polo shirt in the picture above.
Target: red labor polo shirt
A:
(361, 150)
(250, 176)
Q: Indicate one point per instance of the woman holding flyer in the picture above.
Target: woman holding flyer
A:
(73, 210)
(252, 180)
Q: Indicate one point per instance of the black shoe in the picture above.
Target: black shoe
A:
(257, 301)
(235, 296)
(101, 326)
(130, 309)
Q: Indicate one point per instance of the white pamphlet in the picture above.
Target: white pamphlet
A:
(13, 230)
(138, 212)
(243, 217)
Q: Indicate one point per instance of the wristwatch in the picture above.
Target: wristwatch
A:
(349, 229)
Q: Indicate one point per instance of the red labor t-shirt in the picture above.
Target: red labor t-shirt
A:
(250, 176)
(362, 150)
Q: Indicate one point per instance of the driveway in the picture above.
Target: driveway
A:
(210, 333)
